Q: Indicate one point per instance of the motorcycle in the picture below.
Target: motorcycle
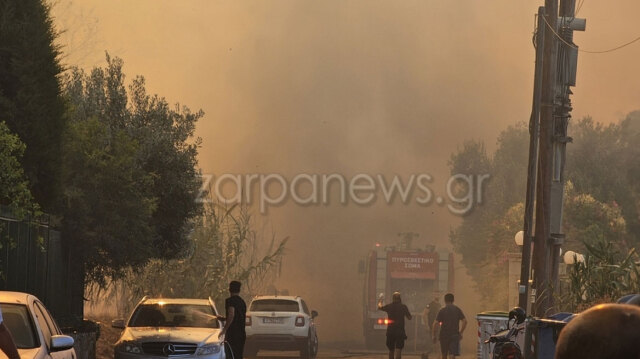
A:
(505, 346)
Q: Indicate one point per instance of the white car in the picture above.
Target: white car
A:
(281, 323)
(161, 328)
(34, 331)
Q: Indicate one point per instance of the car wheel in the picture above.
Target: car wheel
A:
(314, 346)
(309, 349)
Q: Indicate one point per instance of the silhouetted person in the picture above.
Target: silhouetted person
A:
(429, 316)
(396, 312)
(606, 331)
(7, 344)
(449, 319)
(233, 330)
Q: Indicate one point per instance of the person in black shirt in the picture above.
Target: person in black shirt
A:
(396, 312)
(233, 330)
(449, 319)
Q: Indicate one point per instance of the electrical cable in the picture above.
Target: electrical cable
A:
(230, 349)
(587, 51)
(534, 38)
(579, 7)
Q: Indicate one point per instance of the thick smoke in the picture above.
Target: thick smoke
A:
(351, 87)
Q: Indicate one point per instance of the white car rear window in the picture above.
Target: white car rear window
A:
(274, 305)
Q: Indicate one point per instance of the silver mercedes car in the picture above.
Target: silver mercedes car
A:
(165, 328)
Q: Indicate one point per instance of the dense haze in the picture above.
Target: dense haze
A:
(349, 87)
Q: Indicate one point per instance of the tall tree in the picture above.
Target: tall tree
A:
(601, 201)
(30, 93)
(166, 153)
(471, 159)
(107, 210)
(14, 187)
(603, 162)
(224, 246)
(131, 177)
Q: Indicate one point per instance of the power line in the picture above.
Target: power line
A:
(587, 51)
(579, 7)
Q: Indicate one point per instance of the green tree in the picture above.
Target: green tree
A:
(499, 245)
(602, 162)
(14, 186)
(167, 154)
(224, 246)
(589, 221)
(601, 200)
(477, 238)
(107, 212)
(139, 202)
(605, 275)
(471, 159)
(30, 100)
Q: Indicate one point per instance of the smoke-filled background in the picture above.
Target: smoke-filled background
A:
(351, 86)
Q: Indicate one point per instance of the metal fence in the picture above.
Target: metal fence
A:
(33, 259)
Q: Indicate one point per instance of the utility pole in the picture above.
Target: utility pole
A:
(541, 260)
(567, 70)
(534, 129)
(558, 74)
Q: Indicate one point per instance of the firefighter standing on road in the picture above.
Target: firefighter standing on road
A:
(396, 311)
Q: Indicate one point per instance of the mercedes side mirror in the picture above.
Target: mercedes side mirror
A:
(118, 323)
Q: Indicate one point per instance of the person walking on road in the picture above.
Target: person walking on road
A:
(7, 345)
(429, 316)
(449, 319)
(396, 312)
(234, 330)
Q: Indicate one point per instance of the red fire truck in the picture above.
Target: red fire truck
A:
(419, 274)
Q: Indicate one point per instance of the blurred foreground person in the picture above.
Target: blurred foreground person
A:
(234, 330)
(606, 331)
(449, 319)
(396, 311)
(7, 344)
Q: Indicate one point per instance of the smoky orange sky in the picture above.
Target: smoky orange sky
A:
(349, 86)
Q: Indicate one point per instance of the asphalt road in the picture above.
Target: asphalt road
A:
(350, 353)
